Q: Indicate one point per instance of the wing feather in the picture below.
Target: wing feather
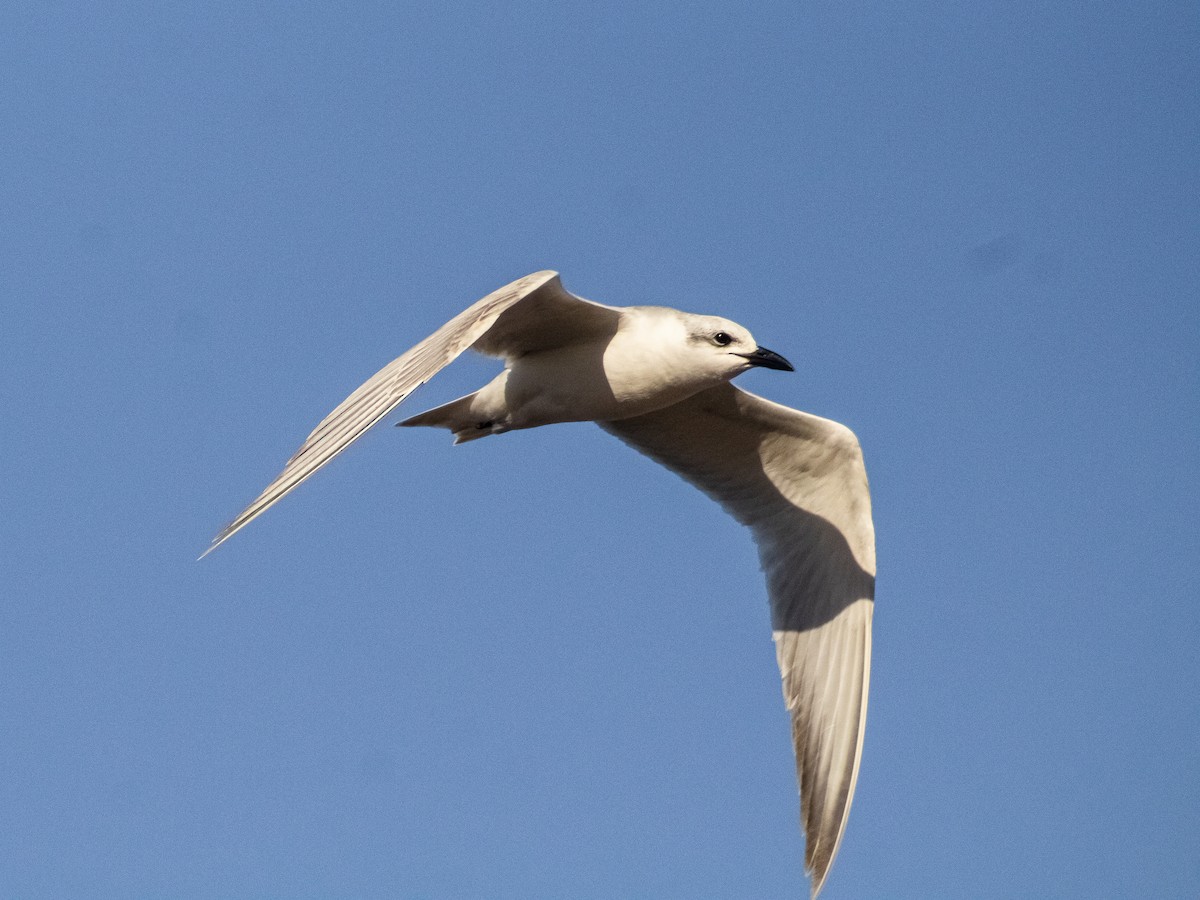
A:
(798, 482)
(531, 313)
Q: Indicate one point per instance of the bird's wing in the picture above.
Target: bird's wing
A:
(532, 313)
(798, 482)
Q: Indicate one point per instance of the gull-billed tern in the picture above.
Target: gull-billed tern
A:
(659, 380)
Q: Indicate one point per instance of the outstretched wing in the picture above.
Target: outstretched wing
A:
(530, 314)
(798, 482)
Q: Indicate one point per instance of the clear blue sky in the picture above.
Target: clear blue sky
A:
(538, 666)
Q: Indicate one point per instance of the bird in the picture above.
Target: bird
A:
(660, 380)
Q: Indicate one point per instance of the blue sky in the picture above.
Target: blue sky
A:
(538, 666)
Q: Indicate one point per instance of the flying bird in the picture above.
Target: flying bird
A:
(660, 380)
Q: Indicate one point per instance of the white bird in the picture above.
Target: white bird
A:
(659, 380)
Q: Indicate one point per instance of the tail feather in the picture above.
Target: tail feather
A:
(457, 416)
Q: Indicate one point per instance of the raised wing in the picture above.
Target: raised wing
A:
(798, 482)
(532, 313)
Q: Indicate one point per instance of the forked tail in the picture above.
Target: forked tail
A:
(458, 416)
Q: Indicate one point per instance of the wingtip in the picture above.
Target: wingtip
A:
(222, 536)
(216, 542)
(816, 885)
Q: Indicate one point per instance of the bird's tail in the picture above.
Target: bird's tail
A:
(458, 416)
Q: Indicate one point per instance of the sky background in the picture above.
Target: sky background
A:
(539, 666)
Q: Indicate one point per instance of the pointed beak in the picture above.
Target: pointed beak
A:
(768, 359)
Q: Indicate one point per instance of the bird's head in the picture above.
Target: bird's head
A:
(723, 348)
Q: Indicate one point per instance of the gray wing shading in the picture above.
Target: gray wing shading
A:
(532, 313)
(798, 482)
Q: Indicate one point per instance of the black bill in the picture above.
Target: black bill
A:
(768, 359)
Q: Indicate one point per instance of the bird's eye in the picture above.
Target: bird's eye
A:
(721, 339)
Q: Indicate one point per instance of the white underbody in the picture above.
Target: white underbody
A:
(625, 375)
